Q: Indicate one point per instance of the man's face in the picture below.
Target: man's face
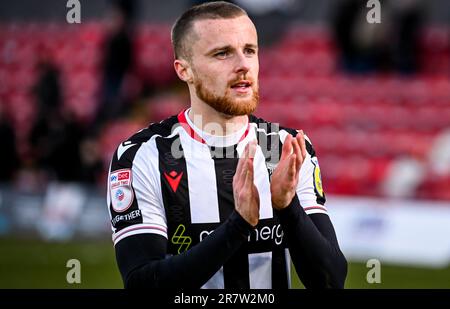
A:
(224, 62)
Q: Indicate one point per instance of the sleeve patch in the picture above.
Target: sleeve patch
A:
(121, 191)
(317, 177)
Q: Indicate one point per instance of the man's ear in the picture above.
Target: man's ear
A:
(183, 69)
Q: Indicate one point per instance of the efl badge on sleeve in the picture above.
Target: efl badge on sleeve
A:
(120, 190)
(317, 177)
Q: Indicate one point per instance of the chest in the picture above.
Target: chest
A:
(197, 192)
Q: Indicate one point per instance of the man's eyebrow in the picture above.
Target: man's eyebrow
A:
(229, 47)
(251, 46)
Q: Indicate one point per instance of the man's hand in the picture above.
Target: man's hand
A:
(285, 176)
(246, 197)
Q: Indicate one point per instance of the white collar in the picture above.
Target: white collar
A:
(218, 140)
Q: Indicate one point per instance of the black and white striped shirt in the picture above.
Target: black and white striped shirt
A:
(174, 180)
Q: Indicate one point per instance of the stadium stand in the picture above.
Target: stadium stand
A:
(359, 124)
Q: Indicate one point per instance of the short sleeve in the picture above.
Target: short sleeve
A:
(134, 195)
(309, 189)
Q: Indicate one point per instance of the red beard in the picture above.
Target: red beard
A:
(225, 104)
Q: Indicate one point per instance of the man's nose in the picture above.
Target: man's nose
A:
(242, 63)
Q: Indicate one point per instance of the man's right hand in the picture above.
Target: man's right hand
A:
(246, 197)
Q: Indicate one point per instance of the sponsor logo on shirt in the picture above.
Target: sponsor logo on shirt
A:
(123, 175)
(264, 233)
(180, 239)
(173, 178)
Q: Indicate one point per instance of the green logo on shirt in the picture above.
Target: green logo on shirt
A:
(178, 238)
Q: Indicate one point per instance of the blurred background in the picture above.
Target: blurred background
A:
(373, 98)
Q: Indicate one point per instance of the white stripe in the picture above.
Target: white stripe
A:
(288, 266)
(316, 211)
(139, 229)
(147, 184)
(204, 204)
(261, 176)
(261, 180)
(283, 135)
(307, 138)
(260, 268)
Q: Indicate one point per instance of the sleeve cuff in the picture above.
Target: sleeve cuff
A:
(241, 225)
(290, 212)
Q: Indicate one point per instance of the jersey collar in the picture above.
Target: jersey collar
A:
(195, 132)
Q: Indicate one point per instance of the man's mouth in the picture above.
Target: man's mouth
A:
(241, 86)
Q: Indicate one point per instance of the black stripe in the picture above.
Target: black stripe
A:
(279, 264)
(279, 269)
(272, 147)
(225, 169)
(235, 270)
(176, 204)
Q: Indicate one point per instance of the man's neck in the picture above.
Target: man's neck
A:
(213, 122)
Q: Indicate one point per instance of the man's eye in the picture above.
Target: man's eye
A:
(221, 54)
(250, 51)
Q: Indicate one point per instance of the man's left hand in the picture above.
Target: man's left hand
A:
(285, 176)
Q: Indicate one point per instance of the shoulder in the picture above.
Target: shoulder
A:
(127, 150)
(163, 128)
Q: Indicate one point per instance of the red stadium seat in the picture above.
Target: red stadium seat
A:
(358, 124)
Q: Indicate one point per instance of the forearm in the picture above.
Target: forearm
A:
(190, 269)
(313, 246)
